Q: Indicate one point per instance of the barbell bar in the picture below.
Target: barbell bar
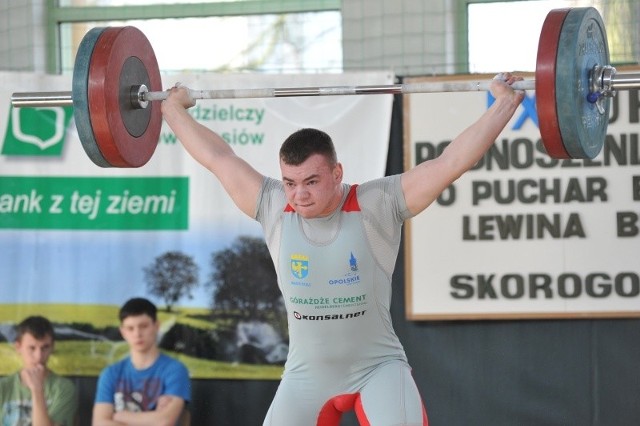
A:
(140, 95)
(116, 79)
(605, 84)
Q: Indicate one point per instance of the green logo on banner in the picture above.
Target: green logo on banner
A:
(36, 131)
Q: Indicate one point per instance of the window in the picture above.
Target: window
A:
(503, 36)
(296, 42)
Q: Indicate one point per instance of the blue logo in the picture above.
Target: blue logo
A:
(353, 263)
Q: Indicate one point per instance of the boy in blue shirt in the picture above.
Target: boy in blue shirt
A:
(146, 387)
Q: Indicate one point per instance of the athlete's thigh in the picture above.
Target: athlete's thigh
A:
(296, 403)
(391, 397)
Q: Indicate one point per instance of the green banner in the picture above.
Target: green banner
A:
(94, 203)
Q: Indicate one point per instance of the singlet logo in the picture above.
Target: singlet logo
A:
(351, 277)
(302, 317)
(353, 263)
(337, 302)
(299, 266)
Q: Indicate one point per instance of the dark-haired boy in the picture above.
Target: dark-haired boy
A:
(147, 387)
(35, 395)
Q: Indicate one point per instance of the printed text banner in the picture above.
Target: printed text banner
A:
(523, 235)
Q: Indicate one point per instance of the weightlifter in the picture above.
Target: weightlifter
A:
(331, 239)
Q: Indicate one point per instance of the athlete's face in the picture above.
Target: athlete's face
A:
(34, 352)
(140, 332)
(313, 188)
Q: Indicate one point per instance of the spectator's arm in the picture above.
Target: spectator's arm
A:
(166, 413)
(103, 415)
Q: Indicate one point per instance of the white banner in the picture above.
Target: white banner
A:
(523, 235)
(93, 268)
(74, 235)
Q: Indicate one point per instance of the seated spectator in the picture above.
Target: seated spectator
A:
(147, 387)
(35, 395)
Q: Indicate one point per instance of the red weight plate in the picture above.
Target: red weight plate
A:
(546, 83)
(106, 88)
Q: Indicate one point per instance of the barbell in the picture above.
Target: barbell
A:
(116, 79)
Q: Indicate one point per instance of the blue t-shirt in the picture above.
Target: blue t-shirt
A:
(127, 388)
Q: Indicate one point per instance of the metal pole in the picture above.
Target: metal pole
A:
(46, 99)
(43, 99)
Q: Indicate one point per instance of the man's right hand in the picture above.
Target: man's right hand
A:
(34, 377)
